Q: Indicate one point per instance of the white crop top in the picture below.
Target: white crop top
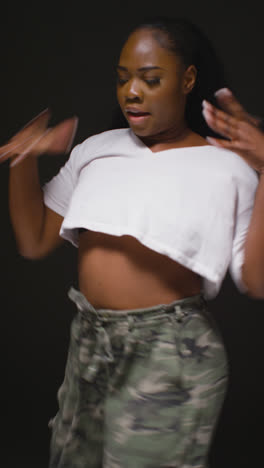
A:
(192, 204)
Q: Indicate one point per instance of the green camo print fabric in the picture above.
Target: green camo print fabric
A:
(141, 390)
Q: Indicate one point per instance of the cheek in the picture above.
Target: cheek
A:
(119, 95)
(166, 101)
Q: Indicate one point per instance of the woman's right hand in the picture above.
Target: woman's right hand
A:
(36, 138)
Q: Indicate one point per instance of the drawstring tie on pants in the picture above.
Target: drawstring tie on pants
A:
(103, 353)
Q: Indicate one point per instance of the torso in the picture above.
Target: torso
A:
(121, 273)
(118, 272)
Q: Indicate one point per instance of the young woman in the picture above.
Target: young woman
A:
(158, 216)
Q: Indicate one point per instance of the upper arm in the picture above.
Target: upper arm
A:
(246, 198)
(58, 191)
(238, 249)
(57, 194)
(50, 236)
(48, 239)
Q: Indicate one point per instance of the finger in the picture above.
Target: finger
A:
(256, 121)
(37, 123)
(36, 126)
(250, 158)
(232, 145)
(5, 149)
(10, 148)
(220, 143)
(219, 121)
(5, 158)
(19, 158)
(220, 115)
(29, 149)
(28, 143)
(57, 140)
(72, 132)
(60, 138)
(228, 102)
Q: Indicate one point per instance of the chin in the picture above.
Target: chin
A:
(142, 132)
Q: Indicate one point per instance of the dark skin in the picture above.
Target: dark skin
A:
(119, 272)
(240, 129)
(243, 136)
(150, 81)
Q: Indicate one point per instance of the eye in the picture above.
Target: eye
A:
(121, 81)
(152, 81)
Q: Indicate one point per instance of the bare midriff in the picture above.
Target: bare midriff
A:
(121, 273)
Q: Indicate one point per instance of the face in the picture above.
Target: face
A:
(152, 85)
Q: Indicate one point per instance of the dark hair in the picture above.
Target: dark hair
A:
(184, 39)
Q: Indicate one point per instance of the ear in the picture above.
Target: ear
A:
(189, 79)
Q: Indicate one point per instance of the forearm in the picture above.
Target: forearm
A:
(26, 206)
(253, 268)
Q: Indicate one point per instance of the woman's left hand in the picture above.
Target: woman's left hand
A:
(242, 133)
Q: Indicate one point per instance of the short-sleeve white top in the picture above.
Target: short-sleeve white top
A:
(191, 204)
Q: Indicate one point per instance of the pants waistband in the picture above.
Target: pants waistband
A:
(133, 319)
(183, 307)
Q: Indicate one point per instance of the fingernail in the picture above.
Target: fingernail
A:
(206, 104)
(223, 92)
(209, 139)
(207, 114)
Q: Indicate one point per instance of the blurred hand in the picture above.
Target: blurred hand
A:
(36, 138)
(228, 103)
(240, 129)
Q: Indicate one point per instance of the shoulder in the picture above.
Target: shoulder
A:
(229, 161)
(100, 144)
(105, 139)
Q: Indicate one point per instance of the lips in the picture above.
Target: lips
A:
(135, 115)
(134, 112)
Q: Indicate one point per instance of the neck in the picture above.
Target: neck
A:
(167, 140)
(170, 137)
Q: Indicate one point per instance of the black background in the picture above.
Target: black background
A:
(64, 57)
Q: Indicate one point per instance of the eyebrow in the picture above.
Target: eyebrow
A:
(119, 67)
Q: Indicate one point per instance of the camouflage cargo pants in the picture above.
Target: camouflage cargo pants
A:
(142, 388)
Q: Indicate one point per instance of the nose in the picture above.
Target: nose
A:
(134, 91)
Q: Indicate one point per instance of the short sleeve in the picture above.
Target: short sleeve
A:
(246, 198)
(58, 191)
